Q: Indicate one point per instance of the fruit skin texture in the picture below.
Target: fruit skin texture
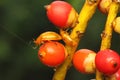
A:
(116, 25)
(52, 53)
(59, 12)
(84, 61)
(117, 75)
(107, 61)
(103, 5)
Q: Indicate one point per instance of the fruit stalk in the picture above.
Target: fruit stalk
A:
(107, 33)
(84, 16)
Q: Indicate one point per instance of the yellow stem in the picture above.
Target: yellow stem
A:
(85, 15)
(107, 33)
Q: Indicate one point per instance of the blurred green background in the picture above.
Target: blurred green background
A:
(21, 21)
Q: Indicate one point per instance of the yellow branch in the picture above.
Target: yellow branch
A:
(85, 15)
(107, 33)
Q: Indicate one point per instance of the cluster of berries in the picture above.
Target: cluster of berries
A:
(86, 61)
(52, 53)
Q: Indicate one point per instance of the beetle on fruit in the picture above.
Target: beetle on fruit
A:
(47, 36)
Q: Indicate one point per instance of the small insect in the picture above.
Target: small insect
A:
(47, 36)
(66, 38)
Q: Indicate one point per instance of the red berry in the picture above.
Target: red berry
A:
(107, 61)
(52, 53)
(61, 14)
(83, 61)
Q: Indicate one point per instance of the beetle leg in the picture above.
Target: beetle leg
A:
(66, 38)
